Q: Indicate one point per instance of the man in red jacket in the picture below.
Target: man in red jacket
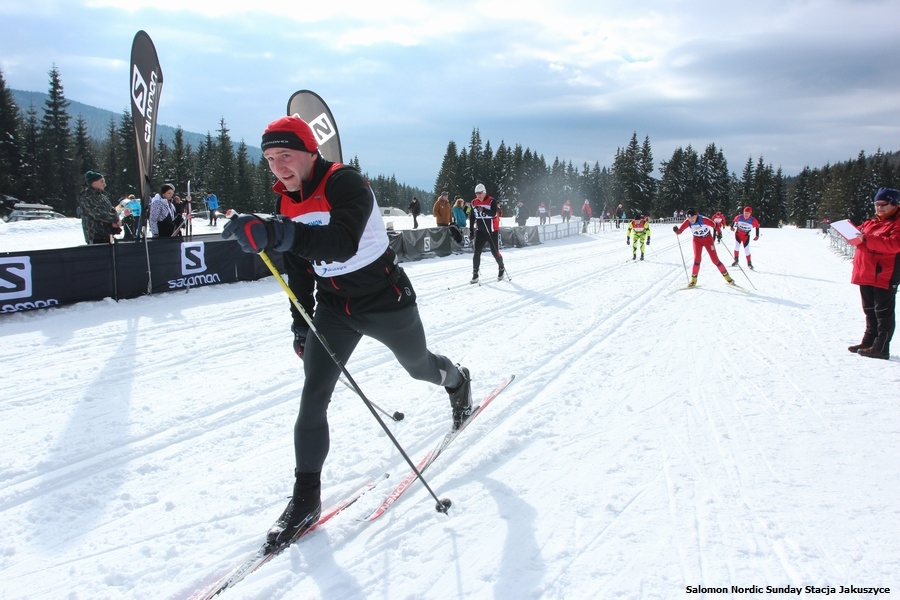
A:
(876, 270)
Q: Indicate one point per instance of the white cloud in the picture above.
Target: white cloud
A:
(697, 71)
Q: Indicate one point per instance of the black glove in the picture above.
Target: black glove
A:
(648, 241)
(300, 333)
(256, 234)
(719, 236)
(675, 228)
(627, 241)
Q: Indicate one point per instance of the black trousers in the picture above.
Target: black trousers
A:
(482, 238)
(879, 307)
(400, 330)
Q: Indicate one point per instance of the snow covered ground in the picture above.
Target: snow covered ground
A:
(654, 441)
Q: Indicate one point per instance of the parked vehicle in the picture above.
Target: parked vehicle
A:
(32, 215)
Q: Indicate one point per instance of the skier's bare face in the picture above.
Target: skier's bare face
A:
(291, 167)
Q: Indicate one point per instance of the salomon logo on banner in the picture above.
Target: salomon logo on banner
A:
(15, 278)
(16, 283)
(323, 128)
(426, 243)
(193, 258)
(193, 267)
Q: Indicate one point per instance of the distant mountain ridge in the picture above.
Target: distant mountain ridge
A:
(97, 122)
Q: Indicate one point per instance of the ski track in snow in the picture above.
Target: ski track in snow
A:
(651, 440)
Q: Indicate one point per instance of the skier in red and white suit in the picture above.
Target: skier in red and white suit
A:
(742, 226)
(719, 220)
(704, 231)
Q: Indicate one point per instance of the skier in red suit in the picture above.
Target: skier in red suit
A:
(704, 231)
(743, 224)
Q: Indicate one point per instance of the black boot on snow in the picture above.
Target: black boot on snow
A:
(461, 399)
(301, 513)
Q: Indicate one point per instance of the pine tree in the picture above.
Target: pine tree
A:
(180, 164)
(59, 184)
(112, 160)
(648, 184)
(448, 175)
(263, 186)
(746, 186)
(162, 169)
(223, 173)
(10, 149)
(714, 180)
(504, 176)
(801, 205)
(861, 188)
(129, 181)
(472, 170)
(672, 187)
(85, 154)
(243, 198)
(31, 157)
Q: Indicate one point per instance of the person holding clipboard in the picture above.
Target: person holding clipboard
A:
(876, 270)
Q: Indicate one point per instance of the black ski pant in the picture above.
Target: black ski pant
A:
(400, 330)
(482, 238)
(879, 307)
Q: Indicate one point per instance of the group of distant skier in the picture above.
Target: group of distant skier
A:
(706, 231)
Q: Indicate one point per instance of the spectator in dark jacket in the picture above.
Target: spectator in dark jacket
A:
(415, 210)
(99, 220)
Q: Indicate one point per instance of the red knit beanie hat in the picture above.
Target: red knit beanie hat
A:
(289, 132)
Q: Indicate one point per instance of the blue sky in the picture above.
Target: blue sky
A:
(796, 82)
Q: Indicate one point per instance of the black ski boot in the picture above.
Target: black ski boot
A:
(474, 277)
(501, 273)
(735, 263)
(461, 398)
(301, 513)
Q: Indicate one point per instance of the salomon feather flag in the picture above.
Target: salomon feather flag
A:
(312, 109)
(146, 86)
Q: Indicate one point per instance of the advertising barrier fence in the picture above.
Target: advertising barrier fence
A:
(59, 277)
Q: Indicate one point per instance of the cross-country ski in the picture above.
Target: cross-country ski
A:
(433, 454)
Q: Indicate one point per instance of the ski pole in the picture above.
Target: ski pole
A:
(741, 268)
(443, 505)
(683, 264)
